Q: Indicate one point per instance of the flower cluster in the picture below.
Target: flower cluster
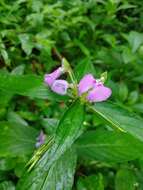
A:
(92, 89)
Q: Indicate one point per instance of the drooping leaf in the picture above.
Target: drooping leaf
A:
(16, 139)
(109, 146)
(119, 118)
(68, 130)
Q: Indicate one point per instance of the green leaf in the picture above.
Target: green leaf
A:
(125, 180)
(84, 67)
(126, 6)
(19, 70)
(109, 146)
(123, 91)
(127, 55)
(119, 118)
(5, 98)
(50, 125)
(5, 56)
(7, 185)
(138, 79)
(62, 171)
(16, 140)
(26, 42)
(82, 47)
(7, 163)
(27, 85)
(135, 39)
(15, 118)
(4, 53)
(133, 97)
(69, 129)
(138, 107)
(60, 175)
(93, 182)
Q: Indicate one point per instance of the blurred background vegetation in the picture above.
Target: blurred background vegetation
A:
(95, 36)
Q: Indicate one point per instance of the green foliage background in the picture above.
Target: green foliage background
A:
(95, 36)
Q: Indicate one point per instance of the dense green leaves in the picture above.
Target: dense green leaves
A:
(95, 36)
(109, 146)
(120, 119)
(68, 130)
(16, 139)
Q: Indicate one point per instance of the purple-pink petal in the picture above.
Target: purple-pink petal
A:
(60, 87)
(50, 78)
(99, 93)
(86, 83)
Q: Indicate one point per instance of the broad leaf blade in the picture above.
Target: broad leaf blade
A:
(120, 118)
(16, 139)
(68, 130)
(61, 173)
(109, 146)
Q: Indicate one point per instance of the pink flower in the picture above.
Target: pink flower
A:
(50, 78)
(97, 92)
(86, 83)
(60, 86)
